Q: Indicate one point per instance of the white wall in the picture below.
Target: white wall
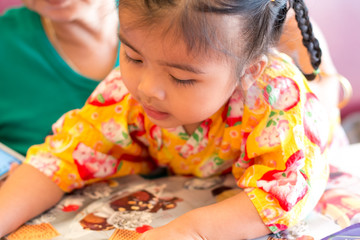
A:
(339, 20)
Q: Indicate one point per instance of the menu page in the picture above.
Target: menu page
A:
(131, 205)
(7, 157)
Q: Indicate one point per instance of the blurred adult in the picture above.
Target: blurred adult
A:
(53, 53)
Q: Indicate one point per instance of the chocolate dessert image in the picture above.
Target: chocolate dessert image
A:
(95, 223)
(143, 200)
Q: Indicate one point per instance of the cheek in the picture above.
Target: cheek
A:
(212, 99)
(194, 106)
(130, 78)
(217, 94)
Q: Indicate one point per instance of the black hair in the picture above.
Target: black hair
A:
(309, 40)
(260, 29)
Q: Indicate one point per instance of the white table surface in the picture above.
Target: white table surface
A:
(347, 159)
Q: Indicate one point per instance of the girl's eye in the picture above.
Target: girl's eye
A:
(187, 82)
(130, 59)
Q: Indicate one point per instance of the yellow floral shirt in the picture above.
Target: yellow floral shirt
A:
(273, 138)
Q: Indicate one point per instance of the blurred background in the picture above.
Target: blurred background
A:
(338, 20)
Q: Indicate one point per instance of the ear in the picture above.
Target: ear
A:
(253, 71)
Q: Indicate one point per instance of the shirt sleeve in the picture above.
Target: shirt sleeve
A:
(283, 168)
(99, 141)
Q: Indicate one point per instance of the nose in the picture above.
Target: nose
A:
(151, 87)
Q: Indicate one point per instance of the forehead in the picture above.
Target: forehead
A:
(201, 33)
(168, 51)
(153, 43)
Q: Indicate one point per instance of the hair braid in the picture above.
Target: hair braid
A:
(279, 20)
(309, 40)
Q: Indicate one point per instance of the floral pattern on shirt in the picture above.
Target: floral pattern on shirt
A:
(92, 164)
(287, 186)
(112, 91)
(275, 131)
(315, 122)
(282, 93)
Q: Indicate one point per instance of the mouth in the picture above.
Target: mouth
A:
(155, 114)
(56, 2)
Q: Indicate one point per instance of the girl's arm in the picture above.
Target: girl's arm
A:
(26, 193)
(234, 218)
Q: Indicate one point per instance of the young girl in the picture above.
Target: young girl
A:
(201, 91)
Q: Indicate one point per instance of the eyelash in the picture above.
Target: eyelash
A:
(132, 59)
(186, 83)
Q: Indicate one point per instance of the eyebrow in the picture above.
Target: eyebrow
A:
(185, 67)
(124, 41)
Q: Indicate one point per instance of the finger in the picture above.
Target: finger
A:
(13, 166)
(141, 237)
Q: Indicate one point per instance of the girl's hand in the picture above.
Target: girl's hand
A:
(169, 233)
(13, 166)
(232, 219)
(179, 229)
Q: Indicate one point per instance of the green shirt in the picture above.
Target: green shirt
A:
(36, 84)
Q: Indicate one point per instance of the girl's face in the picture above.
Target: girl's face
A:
(174, 88)
(63, 10)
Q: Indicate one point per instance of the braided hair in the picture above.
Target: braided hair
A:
(304, 24)
(309, 40)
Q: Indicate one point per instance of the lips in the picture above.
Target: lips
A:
(56, 2)
(155, 114)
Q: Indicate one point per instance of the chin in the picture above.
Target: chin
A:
(164, 124)
(60, 17)
(65, 13)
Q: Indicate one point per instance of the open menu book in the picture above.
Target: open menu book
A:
(7, 157)
(131, 205)
(351, 232)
